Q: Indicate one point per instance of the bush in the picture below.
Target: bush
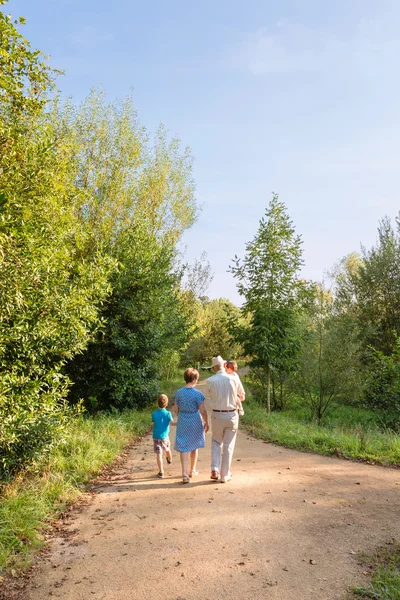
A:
(382, 390)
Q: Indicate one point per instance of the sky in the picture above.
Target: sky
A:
(296, 97)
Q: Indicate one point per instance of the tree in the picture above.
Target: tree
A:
(377, 290)
(212, 336)
(329, 366)
(268, 280)
(143, 319)
(25, 77)
(382, 389)
(50, 292)
(138, 200)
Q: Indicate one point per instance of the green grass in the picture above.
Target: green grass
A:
(348, 432)
(27, 504)
(385, 582)
(169, 387)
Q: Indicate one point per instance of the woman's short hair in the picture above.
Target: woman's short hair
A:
(190, 375)
(162, 400)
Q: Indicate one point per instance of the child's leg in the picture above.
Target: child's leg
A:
(167, 450)
(160, 462)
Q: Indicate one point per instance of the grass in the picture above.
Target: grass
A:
(169, 387)
(31, 501)
(385, 582)
(349, 432)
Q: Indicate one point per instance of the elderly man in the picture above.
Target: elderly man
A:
(223, 390)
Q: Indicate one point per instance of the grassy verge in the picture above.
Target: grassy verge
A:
(169, 387)
(31, 501)
(354, 437)
(385, 582)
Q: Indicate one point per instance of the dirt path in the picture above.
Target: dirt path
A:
(288, 526)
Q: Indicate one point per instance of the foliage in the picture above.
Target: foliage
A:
(377, 289)
(144, 320)
(198, 278)
(367, 295)
(367, 289)
(351, 433)
(25, 77)
(382, 389)
(31, 500)
(328, 370)
(212, 337)
(385, 583)
(267, 279)
(90, 217)
(49, 291)
(138, 199)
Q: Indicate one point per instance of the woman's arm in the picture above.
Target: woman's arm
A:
(203, 413)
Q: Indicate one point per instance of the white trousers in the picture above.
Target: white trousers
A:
(224, 431)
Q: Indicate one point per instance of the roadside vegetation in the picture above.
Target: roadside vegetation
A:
(349, 432)
(384, 565)
(34, 498)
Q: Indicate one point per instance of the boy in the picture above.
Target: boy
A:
(162, 419)
(231, 368)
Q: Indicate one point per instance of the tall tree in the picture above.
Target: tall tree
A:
(267, 278)
(138, 200)
(328, 371)
(377, 289)
(50, 291)
(213, 336)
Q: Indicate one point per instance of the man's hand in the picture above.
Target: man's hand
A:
(206, 427)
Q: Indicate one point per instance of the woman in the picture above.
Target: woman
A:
(190, 427)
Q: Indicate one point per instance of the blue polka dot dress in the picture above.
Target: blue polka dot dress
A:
(189, 427)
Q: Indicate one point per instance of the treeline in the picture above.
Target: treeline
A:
(326, 343)
(91, 211)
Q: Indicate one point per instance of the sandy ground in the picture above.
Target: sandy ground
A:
(288, 526)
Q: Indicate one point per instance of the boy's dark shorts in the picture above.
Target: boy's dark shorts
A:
(160, 445)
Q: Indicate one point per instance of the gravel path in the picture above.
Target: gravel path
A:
(288, 526)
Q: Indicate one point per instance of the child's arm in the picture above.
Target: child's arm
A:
(172, 422)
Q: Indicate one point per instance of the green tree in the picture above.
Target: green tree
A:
(25, 76)
(267, 278)
(213, 337)
(328, 371)
(50, 292)
(377, 290)
(138, 200)
(382, 389)
(143, 320)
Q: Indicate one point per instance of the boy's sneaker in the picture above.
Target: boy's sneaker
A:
(161, 475)
(169, 460)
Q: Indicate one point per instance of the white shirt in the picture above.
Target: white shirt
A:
(223, 391)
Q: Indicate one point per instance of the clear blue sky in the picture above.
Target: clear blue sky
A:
(299, 97)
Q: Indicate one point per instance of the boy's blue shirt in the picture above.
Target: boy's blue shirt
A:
(161, 419)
